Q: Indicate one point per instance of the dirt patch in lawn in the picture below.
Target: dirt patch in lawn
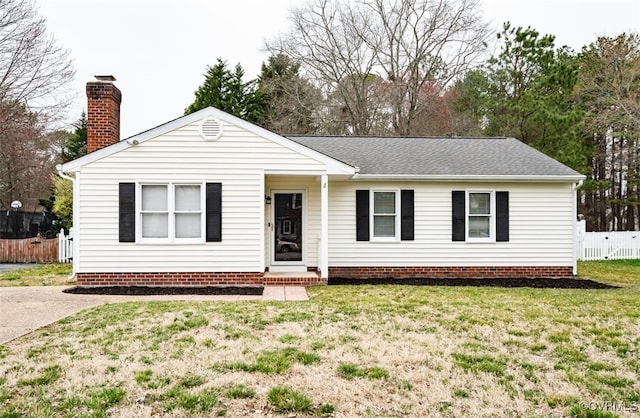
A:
(149, 290)
(561, 283)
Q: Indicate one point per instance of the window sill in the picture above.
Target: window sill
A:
(170, 242)
(384, 240)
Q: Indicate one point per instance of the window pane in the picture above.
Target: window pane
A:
(154, 198)
(188, 198)
(479, 226)
(384, 226)
(384, 202)
(479, 203)
(155, 225)
(187, 225)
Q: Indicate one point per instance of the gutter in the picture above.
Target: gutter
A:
(73, 181)
(64, 176)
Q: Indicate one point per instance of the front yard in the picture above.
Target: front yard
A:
(359, 351)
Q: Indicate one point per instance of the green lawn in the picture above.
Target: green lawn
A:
(359, 351)
(37, 275)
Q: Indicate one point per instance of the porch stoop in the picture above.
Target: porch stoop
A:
(292, 278)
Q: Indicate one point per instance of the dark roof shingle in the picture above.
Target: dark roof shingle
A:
(438, 156)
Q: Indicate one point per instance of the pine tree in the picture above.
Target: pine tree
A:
(75, 145)
(226, 90)
(530, 88)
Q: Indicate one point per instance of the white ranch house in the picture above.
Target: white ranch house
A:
(210, 199)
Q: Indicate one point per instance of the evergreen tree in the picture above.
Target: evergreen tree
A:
(530, 88)
(225, 90)
(470, 103)
(75, 145)
(62, 204)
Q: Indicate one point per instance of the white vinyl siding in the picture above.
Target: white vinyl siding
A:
(540, 221)
(237, 160)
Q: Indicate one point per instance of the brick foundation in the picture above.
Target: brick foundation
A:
(195, 279)
(178, 279)
(451, 272)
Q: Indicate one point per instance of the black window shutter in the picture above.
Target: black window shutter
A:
(127, 212)
(214, 212)
(362, 215)
(502, 216)
(458, 215)
(406, 215)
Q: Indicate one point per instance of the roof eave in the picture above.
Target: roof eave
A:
(473, 178)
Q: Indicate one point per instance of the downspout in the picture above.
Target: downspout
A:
(575, 188)
(73, 182)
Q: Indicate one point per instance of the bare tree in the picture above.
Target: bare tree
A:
(27, 158)
(291, 102)
(34, 70)
(326, 40)
(420, 44)
(409, 44)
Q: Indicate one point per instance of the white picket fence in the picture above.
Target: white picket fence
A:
(614, 245)
(65, 246)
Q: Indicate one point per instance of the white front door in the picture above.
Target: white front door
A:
(288, 243)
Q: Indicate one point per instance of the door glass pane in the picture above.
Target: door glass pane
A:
(288, 226)
(187, 225)
(479, 227)
(155, 225)
(384, 202)
(384, 226)
(187, 198)
(154, 198)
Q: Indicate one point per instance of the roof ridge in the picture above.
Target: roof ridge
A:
(396, 137)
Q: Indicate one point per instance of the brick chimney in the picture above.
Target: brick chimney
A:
(103, 113)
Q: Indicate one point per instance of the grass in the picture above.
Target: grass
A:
(614, 272)
(285, 399)
(37, 275)
(274, 361)
(352, 371)
(239, 391)
(359, 351)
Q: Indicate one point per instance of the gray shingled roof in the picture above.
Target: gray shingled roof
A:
(438, 156)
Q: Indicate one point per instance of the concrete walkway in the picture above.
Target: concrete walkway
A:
(25, 309)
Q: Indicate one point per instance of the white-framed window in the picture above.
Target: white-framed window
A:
(385, 220)
(481, 223)
(171, 212)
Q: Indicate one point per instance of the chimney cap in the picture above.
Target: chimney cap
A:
(105, 78)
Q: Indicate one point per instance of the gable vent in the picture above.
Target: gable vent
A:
(211, 129)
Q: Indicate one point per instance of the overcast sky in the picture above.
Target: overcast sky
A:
(159, 50)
